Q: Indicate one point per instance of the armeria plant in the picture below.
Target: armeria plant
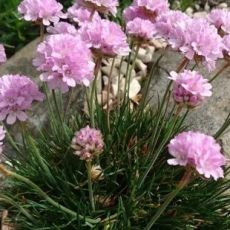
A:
(116, 165)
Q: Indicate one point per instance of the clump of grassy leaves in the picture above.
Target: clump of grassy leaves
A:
(136, 176)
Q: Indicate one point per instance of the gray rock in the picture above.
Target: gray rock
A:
(21, 62)
(210, 116)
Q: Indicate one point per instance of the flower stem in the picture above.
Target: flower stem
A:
(90, 187)
(183, 182)
(220, 71)
(42, 32)
(93, 94)
(182, 65)
(25, 180)
(56, 105)
(108, 94)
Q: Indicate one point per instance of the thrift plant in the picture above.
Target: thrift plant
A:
(116, 162)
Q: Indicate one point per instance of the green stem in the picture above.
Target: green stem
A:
(23, 132)
(131, 69)
(108, 94)
(220, 71)
(90, 187)
(183, 182)
(11, 140)
(42, 32)
(68, 103)
(119, 85)
(56, 105)
(8, 200)
(25, 180)
(94, 91)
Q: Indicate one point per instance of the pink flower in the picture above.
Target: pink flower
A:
(199, 151)
(81, 15)
(221, 19)
(62, 28)
(154, 6)
(141, 29)
(145, 9)
(102, 6)
(202, 43)
(65, 61)
(105, 38)
(2, 54)
(41, 10)
(190, 87)
(88, 143)
(16, 96)
(169, 23)
(2, 137)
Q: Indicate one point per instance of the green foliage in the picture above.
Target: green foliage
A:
(127, 197)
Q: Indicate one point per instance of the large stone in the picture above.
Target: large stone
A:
(209, 116)
(21, 62)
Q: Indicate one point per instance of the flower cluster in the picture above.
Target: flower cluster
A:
(195, 38)
(81, 14)
(102, 6)
(2, 54)
(226, 41)
(199, 151)
(45, 11)
(190, 88)
(16, 96)
(88, 143)
(105, 38)
(2, 137)
(62, 28)
(65, 61)
(221, 19)
(140, 29)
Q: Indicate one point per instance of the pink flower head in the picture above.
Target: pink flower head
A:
(132, 12)
(62, 28)
(190, 87)
(202, 43)
(199, 151)
(81, 14)
(65, 61)
(169, 23)
(221, 19)
(88, 143)
(41, 10)
(141, 29)
(102, 6)
(145, 9)
(16, 96)
(2, 54)
(105, 38)
(2, 137)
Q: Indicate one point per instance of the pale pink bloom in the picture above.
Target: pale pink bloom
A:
(226, 41)
(190, 88)
(81, 14)
(141, 29)
(197, 150)
(105, 38)
(65, 61)
(88, 143)
(16, 96)
(154, 6)
(2, 54)
(221, 19)
(168, 23)
(62, 28)
(41, 10)
(132, 12)
(2, 137)
(102, 6)
(202, 43)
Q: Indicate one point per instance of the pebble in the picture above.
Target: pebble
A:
(222, 5)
